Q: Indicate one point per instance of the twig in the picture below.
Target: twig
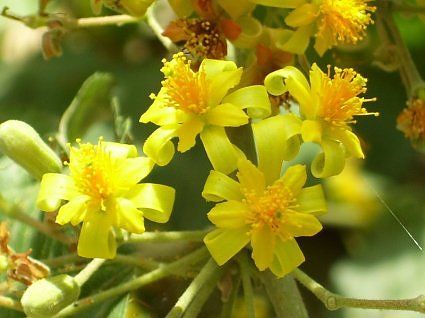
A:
(88, 271)
(134, 284)
(334, 301)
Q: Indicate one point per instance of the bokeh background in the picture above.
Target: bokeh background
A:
(362, 252)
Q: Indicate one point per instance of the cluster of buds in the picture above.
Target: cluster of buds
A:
(411, 122)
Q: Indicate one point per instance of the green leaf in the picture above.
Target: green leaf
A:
(91, 103)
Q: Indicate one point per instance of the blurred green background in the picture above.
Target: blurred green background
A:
(362, 251)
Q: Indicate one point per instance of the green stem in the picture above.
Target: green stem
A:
(209, 272)
(118, 20)
(88, 271)
(334, 301)
(134, 284)
(284, 295)
(10, 303)
(227, 309)
(162, 237)
(202, 296)
(247, 285)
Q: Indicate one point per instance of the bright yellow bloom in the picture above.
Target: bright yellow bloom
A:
(191, 103)
(263, 208)
(332, 22)
(327, 106)
(103, 192)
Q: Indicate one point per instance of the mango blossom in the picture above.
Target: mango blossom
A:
(191, 103)
(263, 208)
(103, 191)
(332, 22)
(327, 107)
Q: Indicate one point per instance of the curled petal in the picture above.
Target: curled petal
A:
(331, 161)
(263, 244)
(133, 170)
(155, 200)
(350, 141)
(287, 257)
(97, 239)
(219, 187)
(254, 98)
(223, 244)
(276, 140)
(299, 40)
(227, 115)
(312, 200)
(119, 151)
(303, 15)
(54, 188)
(158, 145)
(229, 215)
(222, 154)
(73, 210)
(252, 31)
(302, 224)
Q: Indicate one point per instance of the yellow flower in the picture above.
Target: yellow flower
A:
(191, 103)
(332, 22)
(327, 106)
(263, 208)
(103, 191)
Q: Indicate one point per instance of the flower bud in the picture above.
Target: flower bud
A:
(46, 297)
(23, 144)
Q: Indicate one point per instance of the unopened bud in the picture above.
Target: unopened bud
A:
(23, 144)
(46, 297)
(411, 122)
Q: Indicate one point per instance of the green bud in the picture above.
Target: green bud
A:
(46, 297)
(23, 144)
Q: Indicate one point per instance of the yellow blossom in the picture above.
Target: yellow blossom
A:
(332, 22)
(327, 106)
(102, 190)
(263, 208)
(191, 103)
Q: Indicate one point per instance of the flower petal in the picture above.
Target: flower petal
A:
(294, 178)
(287, 257)
(97, 239)
(132, 170)
(312, 200)
(128, 216)
(299, 40)
(155, 200)
(254, 98)
(226, 115)
(158, 145)
(331, 161)
(223, 244)
(302, 224)
(229, 215)
(303, 15)
(222, 154)
(219, 187)
(75, 209)
(263, 243)
(250, 177)
(252, 31)
(311, 131)
(117, 150)
(289, 4)
(350, 141)
(272, 139)
(187, 133)
(55, 187)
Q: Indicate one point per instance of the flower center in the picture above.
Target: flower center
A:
(412, 120)
(92, 170)
(269, 208)
(344, 20)
(339, 100)
(185, 89)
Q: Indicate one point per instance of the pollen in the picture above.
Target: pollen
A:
(344, 21)
(412, 120)
(272, 207)
(339, 100)
(185, 89)
(92, 170)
